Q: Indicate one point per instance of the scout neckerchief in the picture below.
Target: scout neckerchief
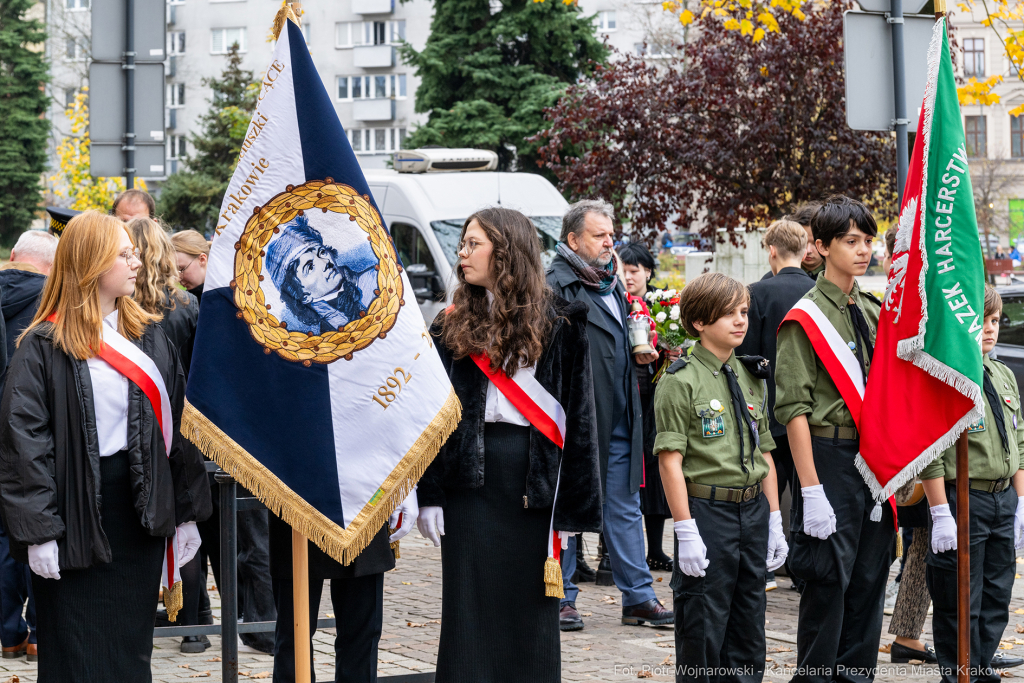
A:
(997, 410)
(544, 412)
(844, 368)
(137, 367)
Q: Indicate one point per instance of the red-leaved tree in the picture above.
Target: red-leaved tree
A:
(731, 138)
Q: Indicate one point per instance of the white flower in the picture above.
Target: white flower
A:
(673, 327)
(674, 313)
(670, 293)
(660, 317)
(649, 296)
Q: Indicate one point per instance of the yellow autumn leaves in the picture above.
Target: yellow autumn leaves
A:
(754, 18)
(997, 15)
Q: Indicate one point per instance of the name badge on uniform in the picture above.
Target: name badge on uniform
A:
(979, 425)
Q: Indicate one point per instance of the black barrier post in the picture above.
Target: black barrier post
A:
(228, 578)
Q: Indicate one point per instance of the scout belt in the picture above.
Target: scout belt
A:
(723, 493)
(986, 485)
(841, 433)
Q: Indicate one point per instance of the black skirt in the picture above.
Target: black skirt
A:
(96, 624)
(496, 623)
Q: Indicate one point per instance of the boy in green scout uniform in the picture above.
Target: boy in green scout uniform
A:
(713, 449)
(841, 554)
(994, 445)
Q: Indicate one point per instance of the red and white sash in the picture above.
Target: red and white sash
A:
(544, 412)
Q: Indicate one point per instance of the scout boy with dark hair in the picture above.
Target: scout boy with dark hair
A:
(842, 541)
(994, 446)
(714, 456)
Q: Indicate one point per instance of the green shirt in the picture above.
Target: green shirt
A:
(803, 385)
(819, 269)
(694, 413)
(985, 452)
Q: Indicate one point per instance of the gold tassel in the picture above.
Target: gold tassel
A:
(553, 579)
(288, 11)
(899, 544)
(174, 600)
(394, 546)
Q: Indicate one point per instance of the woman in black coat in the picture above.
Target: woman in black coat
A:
(489, 493)
(88, 490)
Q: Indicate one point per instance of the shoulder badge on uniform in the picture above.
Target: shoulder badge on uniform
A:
(678, 365)
(756, 366)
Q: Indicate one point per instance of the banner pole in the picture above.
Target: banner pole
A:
(963, 562)
(300, 608)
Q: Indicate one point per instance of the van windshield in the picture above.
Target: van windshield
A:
(548, 230)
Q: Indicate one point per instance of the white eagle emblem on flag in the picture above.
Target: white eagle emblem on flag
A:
(898, 269)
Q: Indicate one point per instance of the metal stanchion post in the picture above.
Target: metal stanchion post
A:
(228, 578)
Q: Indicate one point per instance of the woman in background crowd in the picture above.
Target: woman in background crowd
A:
(191, 254)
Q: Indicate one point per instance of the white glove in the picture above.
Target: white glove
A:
(42, 559)
(408, 511)
(692, 551)
(944, 528)
(188, 542)
(1018, 524)
(431, 523)
(778, 549)
(819, 519)
(564, 537)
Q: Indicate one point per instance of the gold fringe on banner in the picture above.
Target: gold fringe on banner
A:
(344, 545)
(899, 544)
(553, 579)
(288, 11)
(174, 600)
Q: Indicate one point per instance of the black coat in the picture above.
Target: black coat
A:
(179, 324)
(563, 280)
(50, 461)
(770, 301)
(564, 371)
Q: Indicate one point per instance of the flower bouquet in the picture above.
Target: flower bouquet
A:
(664, 307)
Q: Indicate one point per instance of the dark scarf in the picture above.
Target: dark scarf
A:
(600, 280)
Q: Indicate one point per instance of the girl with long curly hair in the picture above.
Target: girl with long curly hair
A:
(487, 498)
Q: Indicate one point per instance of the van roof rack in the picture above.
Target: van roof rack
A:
(435, 160)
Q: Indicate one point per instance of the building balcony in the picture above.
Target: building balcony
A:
(373, 6)
(382, 109)
(373, 56)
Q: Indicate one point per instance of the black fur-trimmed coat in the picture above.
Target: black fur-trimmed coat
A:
(564, 370)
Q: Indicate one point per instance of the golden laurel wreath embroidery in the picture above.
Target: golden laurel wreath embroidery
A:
(266, 329)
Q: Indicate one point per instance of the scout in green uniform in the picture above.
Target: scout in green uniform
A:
(713, 448)
(813, 264)
(994, 444)
(841, 554)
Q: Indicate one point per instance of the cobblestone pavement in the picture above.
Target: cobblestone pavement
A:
(604, 651)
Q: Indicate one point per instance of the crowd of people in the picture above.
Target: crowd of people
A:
(711, 436)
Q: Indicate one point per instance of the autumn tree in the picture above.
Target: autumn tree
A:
(736, 139)
(486, 76)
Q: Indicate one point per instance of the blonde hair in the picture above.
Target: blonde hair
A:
(156, 284)
(787, 236)
(190, 242)
(86, 250)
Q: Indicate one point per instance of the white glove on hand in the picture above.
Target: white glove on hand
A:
(188, 542)
(778, 549)
(1018, 524)
(564, 537)
(692, 551)
(431, 523)
(42, 559)
(819, 519)
(409, 510)
(944, 528)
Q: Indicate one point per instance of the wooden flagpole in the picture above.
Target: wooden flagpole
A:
(300, 608)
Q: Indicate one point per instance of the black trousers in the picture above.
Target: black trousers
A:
(841, 604)
(358, 607)
(992, 570)
(719, 625)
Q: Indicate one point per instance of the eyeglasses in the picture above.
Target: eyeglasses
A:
(181, 271)
(129, 254)
(469, 246)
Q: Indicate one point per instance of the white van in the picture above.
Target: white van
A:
(425, 212)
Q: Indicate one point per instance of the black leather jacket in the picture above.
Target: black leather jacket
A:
(50, 462)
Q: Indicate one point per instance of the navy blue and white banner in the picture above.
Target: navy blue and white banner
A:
(313, 380)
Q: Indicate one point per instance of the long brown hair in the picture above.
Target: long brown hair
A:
(513, 329)
(156, 284)
(86, 250)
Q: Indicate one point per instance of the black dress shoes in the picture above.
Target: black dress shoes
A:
(901, 654)
(584, 572)
(651, 611)
(569, 619)
(1004, 660)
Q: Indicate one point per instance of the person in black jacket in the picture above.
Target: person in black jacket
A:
(489, 492)
(89, 494)
(770, 301)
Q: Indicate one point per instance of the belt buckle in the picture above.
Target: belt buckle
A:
(999, 486)
(748, 493)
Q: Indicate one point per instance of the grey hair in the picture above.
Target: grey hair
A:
(36, 246)
(572, 221)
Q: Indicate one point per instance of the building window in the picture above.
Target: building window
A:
(176, 147)
(175, 42)
(73, 51)
(377, 140)
(606, 21)
(69, 97)
(398, 86)
(349, 33)
(305, 32)
(397, 30)
(974, 127)
(343, 34)
(1017, 137)
(372, 87)
(176, 95)
(974, 57)
(221, 40)
(77, 4)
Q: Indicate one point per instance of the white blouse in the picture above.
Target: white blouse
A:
(500, 409)
(110, 399)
